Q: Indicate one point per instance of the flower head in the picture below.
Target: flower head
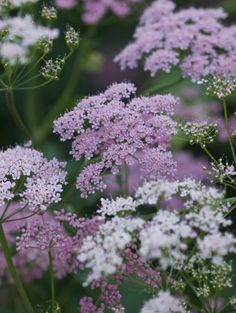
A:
(26, 175)
(165, 38)
(115, 128)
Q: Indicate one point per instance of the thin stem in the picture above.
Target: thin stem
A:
(52, 281)
(228, 130)
(12, 270)
(125, 182)
(65, 97)
(34, 87)
(209, 154)
(21, 218)
(13, 111)
(27, 81)
(157, 88)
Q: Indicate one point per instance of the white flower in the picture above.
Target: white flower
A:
(216, 246)
(163, 239)
(13, 52)
(164, 302)
(19, 3)
(22, 33)
(153, 191)
(207, 220)
(101, 253)
(112, 207)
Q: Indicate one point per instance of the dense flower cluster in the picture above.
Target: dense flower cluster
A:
(164, 35)
(21, 35)
(164, 239)
(27, 176)
(115, 128)
(164, 302)
(94, 10)
(102, 253)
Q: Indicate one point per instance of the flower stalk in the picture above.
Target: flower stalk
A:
(14, 274)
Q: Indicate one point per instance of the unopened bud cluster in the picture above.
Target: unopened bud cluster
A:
(45, 45)
(72, 37)
(49, 13)
(220, 87)
(52, 69)
(200, 133)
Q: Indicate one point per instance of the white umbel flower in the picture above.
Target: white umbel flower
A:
(119, 205)
(101, 254)
(163, 303)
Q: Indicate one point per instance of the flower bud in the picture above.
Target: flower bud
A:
(52, 69)
(72, 38)
(49, 13)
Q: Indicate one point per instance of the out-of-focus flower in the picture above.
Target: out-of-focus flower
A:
(66, 4)
(164, 35)
(22, 35)
(164, 302)
(94, 10)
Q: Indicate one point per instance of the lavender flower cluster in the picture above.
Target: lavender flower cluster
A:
(193, 39)
(117, 128)
(94, 10)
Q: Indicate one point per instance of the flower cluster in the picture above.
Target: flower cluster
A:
(166, 38)
(22, 34)
(102, 253)
(221, 87)
(115, 128)
(46, 235)
(164, 302)
(94, 10)
(221, 171)
(29, 178)
(202, 133)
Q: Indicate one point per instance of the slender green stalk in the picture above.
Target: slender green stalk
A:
(157, 88)
(13, 111)
(12, 270)
(35, 86)
(125, 182)
(65, 97)
(52, 282)
(208, 153)
(228, 130)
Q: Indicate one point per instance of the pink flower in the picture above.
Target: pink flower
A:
(194, 39)
(116, 128)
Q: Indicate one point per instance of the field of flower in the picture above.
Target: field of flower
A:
(118, 156)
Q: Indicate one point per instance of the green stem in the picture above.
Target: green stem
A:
(157, 88)
(12, 270)
(125, 182)
(228, 130)
(13, 111)
(52, 281)
(65, 98)
(209, 154)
